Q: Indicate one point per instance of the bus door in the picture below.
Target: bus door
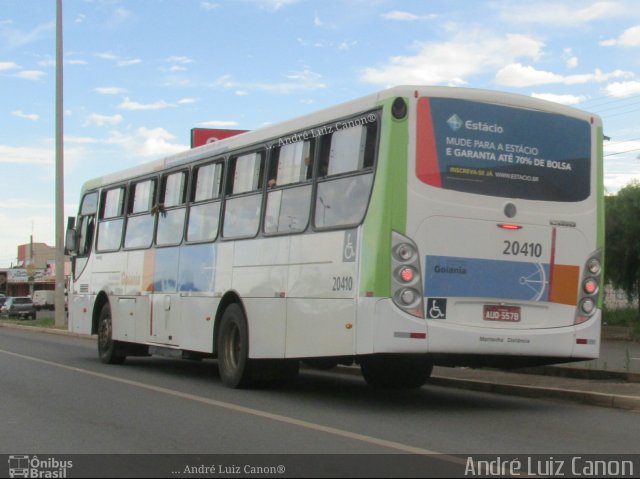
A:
(165, 303)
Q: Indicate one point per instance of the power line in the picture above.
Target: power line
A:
(608, 100)
(616, 143)
(618, 114)
(628, 104)
(620, 152)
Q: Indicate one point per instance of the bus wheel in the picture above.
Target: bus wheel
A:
(233, 349)
(110, 351)
(396, 372)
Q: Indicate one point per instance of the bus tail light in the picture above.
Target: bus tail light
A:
(509, 226)
(407, 274)
(590, 288)
(406, 280)
(594, 266)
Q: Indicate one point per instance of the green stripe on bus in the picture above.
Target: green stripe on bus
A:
(388, 207)
(600, 204)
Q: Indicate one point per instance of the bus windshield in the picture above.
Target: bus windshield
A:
(503, 151)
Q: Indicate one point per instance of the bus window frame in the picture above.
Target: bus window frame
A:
(153, 197)
(221, 160)
(274, 151)
(228, 195)
(121, 216)
(371, 169)
(160, 210)
(80, 223)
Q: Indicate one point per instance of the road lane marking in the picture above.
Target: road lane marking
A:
(250, 411)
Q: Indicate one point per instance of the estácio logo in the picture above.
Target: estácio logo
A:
(455, 123)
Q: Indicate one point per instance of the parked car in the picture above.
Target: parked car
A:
(20, 306)
(44, 299)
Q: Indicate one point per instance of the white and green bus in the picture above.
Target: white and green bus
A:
(418, 226)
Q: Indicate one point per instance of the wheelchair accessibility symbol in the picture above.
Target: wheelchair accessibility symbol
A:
(349, 246)
(436, 308)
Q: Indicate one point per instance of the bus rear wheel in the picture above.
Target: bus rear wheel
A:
(234, 364)
(109, 350)
(396, 371)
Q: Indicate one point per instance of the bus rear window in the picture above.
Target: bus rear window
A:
(502, 151)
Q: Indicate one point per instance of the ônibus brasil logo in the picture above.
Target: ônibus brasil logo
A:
(455, 123)
(31, 466)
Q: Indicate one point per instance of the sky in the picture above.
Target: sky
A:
(140, 74)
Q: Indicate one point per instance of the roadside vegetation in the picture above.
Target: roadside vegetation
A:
(622, 244)
(624, 318)
(41, 321)
(622, 254)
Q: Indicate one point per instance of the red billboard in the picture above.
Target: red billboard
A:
(202, 136)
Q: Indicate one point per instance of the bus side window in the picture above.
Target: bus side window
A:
(171, 209)
(85, 234)
(345, 175)
(289, 193)
(111, 220)
(87, 223)
(140, 220)
(244, 191)
(204, 212)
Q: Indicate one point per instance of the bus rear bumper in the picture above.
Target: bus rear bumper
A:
(576, 342)
(457, 345)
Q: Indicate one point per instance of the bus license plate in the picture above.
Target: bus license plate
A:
(501, 313)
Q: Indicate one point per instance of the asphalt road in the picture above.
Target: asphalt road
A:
(56, 397)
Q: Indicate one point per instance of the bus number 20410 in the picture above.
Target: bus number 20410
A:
(342, 283)
(516, 248)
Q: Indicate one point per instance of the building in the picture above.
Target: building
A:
(34, 271)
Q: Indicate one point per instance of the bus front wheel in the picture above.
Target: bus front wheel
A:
(396, 371)
(233, 349)
(109, 350)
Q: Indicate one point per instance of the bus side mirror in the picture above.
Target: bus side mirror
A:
(70, 246)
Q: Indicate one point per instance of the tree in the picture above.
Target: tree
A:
(622, 253)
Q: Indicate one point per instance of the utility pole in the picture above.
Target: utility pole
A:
(61, 316)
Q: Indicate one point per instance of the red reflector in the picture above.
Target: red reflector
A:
(509, 226)
(581, 341)
(369, 294)
(418, 335)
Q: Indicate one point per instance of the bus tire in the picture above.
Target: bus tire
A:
(396, 372)
(109, 350)
(234, 364)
